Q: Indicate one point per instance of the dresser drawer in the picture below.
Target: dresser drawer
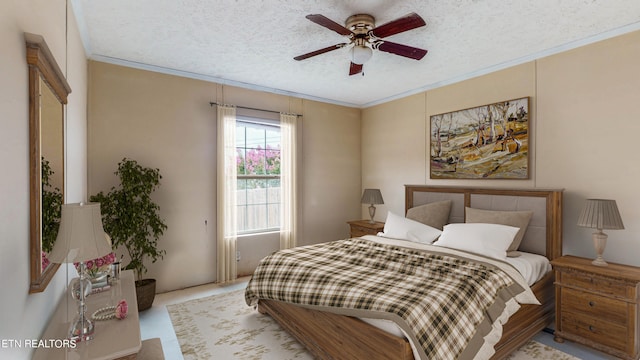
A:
(595, 330)
(599, 285)
(595, 306)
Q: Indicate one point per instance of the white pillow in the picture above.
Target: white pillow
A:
(491, 240)
(398, 227)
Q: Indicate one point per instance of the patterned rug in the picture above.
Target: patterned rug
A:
(224, 327)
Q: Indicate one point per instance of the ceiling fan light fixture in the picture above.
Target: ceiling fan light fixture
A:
(364, 37)
(360, 54)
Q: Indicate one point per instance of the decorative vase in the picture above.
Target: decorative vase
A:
(98, 279)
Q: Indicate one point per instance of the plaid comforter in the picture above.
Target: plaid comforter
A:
(445, 303)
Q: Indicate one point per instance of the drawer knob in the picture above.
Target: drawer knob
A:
(591, 328)
(592, 304)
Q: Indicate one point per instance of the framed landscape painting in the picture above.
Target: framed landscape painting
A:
(485, 142)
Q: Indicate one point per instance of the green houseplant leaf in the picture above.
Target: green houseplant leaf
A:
(130, 216)
(51, 207)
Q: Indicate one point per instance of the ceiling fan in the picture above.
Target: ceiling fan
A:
(364, 36)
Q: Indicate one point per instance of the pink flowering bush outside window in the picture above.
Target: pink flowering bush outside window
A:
(45, 260)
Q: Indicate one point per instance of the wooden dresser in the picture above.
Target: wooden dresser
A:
(598, 306)
(364, 227)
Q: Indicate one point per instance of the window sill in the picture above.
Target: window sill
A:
(258, 233)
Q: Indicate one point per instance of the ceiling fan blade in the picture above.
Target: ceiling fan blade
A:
(320, 51)
(355, 69)
(399, 49)
(407, 22)
(329, 24)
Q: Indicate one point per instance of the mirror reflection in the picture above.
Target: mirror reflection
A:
(52, 161)
(48, 91)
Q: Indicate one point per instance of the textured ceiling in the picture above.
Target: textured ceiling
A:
(252, 43)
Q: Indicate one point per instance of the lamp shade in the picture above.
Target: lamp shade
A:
(600, 214)
(81, 236)
(372, 196)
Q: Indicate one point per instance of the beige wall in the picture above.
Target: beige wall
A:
(166, 121)
(24, 316)
(331, 177)
(584, 132)
(588, 138)
(392, 143)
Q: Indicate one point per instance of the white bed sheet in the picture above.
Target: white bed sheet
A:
(532, 266)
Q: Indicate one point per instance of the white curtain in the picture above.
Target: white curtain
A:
(288, 183)
(226, 193)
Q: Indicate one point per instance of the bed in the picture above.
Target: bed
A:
(333, 335)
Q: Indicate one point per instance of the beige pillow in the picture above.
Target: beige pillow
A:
(519, 219)
(435, 214)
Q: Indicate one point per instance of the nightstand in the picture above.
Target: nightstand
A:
(598, 306)
(364, 227)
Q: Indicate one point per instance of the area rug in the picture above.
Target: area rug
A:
(224, 327)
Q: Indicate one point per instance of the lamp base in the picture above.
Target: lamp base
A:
(372, 213)
(599, 262)
(82, 329)
(599, 243)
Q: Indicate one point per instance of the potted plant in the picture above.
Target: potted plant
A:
(52, 200)
(132, 220)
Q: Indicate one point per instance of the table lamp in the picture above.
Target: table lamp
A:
(600, 214)
(80, 238)
(372, 197)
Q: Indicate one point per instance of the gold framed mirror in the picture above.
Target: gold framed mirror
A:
(48, 91)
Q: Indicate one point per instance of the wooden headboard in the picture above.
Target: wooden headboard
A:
(544, 233)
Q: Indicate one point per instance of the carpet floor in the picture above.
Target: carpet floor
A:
(224, 327)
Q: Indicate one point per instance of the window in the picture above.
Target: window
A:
(258, 183)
